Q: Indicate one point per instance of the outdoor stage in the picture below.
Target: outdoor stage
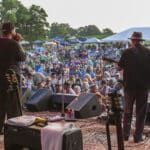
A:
(94, 134)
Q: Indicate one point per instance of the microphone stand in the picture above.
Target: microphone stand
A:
(63, 97)
(117, 109)
(107, 128)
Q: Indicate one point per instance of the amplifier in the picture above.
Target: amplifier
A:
(16, 138)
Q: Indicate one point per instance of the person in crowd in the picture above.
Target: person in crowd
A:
(111, 83)
(68, 89)
(29, 81)
(91, 72)
(11, 53)
(54, 81)
(85, 87)
(94, 89)
(78, 80)
(89, 79)
(71, 80)
(135, 62)
(48, 82)
(47, 71)
(38, 77)
(104, 88)
(107, 75)
(41, 85)
(118, 76)
(59, 88)
(56, 69)
(66, 70)
(77, 89)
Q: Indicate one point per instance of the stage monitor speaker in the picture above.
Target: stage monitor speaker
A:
(86, 105)
(58, 98)
(40, 101)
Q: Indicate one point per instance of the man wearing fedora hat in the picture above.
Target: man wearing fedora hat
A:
(11, 53)
(135, 62)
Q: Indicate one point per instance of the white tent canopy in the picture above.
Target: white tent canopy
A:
(24, 42)
(50, 43)
(124, 35)
(92, 40)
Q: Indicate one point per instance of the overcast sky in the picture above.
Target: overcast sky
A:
(115, 14)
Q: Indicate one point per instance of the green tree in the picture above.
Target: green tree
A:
(93, 30)
(37, 25)
(31, 23)
(8, 8)
(88, 30)
(62, 29)
(107, 31)
(82, 31)
(23, 17)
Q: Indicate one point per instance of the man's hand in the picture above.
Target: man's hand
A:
(18, 37)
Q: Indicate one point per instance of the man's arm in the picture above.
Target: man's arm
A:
(20, 54)
(122, 61)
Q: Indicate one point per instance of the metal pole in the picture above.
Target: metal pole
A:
(108, 135)
(63, 97)
(119, 131)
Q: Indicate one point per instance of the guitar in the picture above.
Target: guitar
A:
(12, 81)
(13, 85)
(110, 60)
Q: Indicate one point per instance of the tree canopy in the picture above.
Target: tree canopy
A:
(32, 23)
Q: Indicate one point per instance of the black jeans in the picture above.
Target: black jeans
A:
(140, 98)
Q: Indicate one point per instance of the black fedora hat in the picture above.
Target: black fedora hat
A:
(137, 36)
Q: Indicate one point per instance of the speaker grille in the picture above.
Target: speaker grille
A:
(86, 105)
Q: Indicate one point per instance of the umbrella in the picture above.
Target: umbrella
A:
(57, 38)
(64, 43)
(40, 49)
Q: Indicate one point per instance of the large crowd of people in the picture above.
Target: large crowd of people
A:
(72, 71)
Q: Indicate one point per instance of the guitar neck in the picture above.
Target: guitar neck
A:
(110, 60)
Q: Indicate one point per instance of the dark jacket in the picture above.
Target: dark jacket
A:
(136, 65)
(11, 53)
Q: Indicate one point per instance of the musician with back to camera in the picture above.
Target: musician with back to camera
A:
(11, 53)
(135, 62)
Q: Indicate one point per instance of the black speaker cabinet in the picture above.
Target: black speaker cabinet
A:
(86, 105)
(58, 98)
(40, 101)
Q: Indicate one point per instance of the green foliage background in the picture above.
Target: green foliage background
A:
(32, 23)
